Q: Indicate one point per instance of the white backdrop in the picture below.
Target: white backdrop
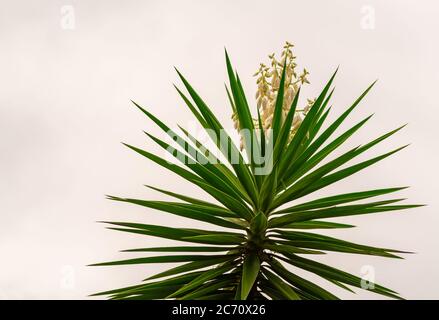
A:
(69, 68)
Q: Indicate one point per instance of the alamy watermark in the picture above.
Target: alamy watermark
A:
(68, 19)
(367, 21)
(208, 146)
(68, 278)
(367, 277)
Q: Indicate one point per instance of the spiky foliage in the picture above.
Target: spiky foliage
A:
(258, 234)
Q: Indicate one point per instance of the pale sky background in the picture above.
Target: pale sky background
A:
(65, 107)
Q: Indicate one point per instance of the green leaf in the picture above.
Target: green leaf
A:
(237, 293)
(181, 209)
(262, 135)
(322, 242)
(208, 172)
(284, 133)
(333, 145)
(300, 282)
(335, 274)
(148, 294)
(191, 200)
(278, 108)
(303, 129)
(321, 245)
(222, 197)
(180, 249)
(317, 225)
(157, 259)
(304, 163)
(321, 178)
(216, 239)
(271, 292)
(240, 102)
(276, 246)
(186, 146)
(268, 190)
(224, 142)
(217, 296)
(322, 115)
(250, 271)
(180, 234)
(172, 167)
(344, 173)
(178, 280)
(192, 108)
(259, 223)
(191, 266)
(245, 119)
(229, 96)
(281, 286)
(206, 276)
(338, 199)
(230, 177)
(333, 212)
(328, 132)
(206, 289)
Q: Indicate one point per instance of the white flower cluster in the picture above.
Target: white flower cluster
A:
(268, 81)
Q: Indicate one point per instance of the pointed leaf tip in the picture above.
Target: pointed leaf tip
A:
(178, 72)
(101, 221)
(226, 53)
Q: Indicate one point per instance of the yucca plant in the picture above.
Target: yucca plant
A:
(261, 228)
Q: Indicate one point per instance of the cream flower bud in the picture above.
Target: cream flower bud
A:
(268, 82)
